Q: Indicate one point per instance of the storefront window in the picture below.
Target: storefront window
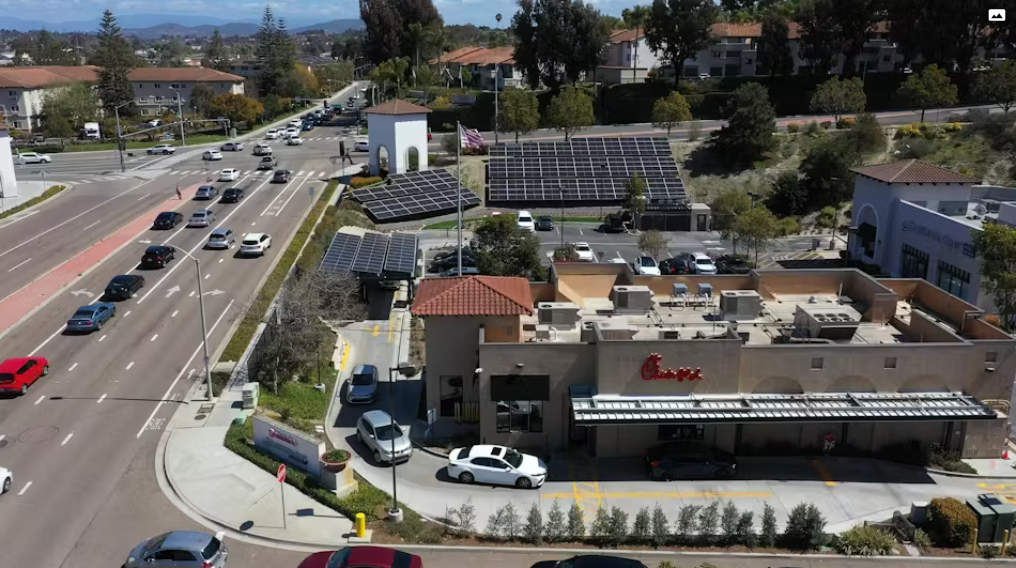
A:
(914, 263)
(520, 416)
(680, 432)
(953, 280)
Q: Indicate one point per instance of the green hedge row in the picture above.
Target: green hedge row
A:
(252, 318)
(49, 193)
(367, 499)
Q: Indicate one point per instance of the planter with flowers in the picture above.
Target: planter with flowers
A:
(335, 460)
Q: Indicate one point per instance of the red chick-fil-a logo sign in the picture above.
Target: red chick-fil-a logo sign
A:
(275, 434)
(653, 371)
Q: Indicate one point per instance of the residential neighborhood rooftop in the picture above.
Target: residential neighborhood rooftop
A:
(913, 171)
(52, 76)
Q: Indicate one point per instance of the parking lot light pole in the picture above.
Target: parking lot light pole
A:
(179, 111)
(561, 190)
(119, 135)
(395, 513)
(204, 326)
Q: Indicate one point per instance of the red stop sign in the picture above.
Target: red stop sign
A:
(281, 474)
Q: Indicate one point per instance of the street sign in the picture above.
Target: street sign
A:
(281, 475)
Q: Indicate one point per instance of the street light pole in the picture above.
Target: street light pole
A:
(179, 112)
(204, 330)
(119, 136)
(561, 190)
(395, 514)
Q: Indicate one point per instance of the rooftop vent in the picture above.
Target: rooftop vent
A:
(632, 297)
(614, 330)
(558, 314)
(815, 322)
(740, 304)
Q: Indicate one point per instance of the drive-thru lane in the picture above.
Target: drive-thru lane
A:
(70, 439)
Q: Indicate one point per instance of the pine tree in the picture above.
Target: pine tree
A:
(532, 531)
(216, 56)
(114, 56)
(661, 527)
(769, 534)
(555, 528)
(576, 523)
(277, 52)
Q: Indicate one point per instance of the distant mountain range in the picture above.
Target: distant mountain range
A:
(150, 26)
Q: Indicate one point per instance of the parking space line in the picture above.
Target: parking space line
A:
(822, 472)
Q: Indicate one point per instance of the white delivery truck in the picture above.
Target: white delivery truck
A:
(91, 131)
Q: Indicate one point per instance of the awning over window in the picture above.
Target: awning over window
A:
(865, 231)
(753, 408)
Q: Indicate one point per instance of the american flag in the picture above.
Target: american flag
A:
(470, 138)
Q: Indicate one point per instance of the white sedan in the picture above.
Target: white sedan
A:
(34, 158)
(212, 155)
(6, 479)
(496, 465)
(232, 147)
(361, 145)
(229, 174)
(585, 252)
(272, 134)
(294, 140)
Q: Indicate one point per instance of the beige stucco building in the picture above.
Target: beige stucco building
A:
(614, 362)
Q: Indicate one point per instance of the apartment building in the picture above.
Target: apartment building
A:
(489, 68)
(813, 360)
(627, 59)
(157, 89)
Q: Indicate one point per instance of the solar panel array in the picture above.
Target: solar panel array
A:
(372, 254)
(415, 194)
(583, 169)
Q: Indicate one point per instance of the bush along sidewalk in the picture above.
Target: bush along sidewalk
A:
(48, 194)
(252, 318)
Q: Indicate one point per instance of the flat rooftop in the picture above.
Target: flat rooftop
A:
(701, 318)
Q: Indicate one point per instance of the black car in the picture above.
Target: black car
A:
(232, 195)
(168, 220)
(679, 460)
(124, 287)
(449, 262)
(282, 176)
(730, 264)
(158, 256)
(466, 251)
(545, 223)
(591, 561)
(673, 266)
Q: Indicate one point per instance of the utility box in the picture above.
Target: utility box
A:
(251, 393)
(986, 519)
(1005, 514)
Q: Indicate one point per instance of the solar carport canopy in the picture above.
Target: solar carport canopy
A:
(388, 256)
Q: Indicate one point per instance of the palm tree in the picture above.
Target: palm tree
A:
(637, 17)
(416, 34)
(438, 39)
(391, 72)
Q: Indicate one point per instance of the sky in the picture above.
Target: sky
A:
(297, 12)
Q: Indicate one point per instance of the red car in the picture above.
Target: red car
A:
(363, 557)
(17, 374)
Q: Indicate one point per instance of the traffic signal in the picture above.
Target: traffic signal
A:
(342, 147)
(324, 104)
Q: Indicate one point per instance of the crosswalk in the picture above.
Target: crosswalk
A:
(213, 174)
(798, 260)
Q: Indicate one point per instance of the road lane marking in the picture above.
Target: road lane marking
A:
(345, 358)
(25, 488)
(23, 217)
(143, 197)
(202, 244)
(78, 216)
(191, 295)
(19, 265)
(295, 191)
(822, 472)
(74, 366)
(101, 338)
(377, 330)
(101, 398)
(67, 439)
(391, 326)
(48, 339)
(2, 436)
(92, 225)
(127, 314)
(129, 365)
(222, 259)
(169, 391)
(41, 398)
(154, 337)
(174, 313)
(206, 276)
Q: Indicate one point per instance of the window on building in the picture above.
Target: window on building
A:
(520, 416)
(451, 394)
(717, 54)
(991, 357)
(141, 86)
(157, 86)
(2, 108)
(953, 280)
(12, 93)
(17, 124)
(15, 108)
(667, 432)
(174, 86)
(914, 263)
(890, 363)
(817, 363)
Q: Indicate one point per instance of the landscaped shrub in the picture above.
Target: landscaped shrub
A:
(769, 533)
(357, 181)
(953, 127)
(909, 131)
(532, 531)
(827, 124)
(952, 523)
(805, 528)
(921, 539)
(793, 127)
(845, 123)
(555, 528)
(812, 129)
(988, 551)
(864, 540)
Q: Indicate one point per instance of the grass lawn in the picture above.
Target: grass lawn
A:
(195, 140)
(300, 404)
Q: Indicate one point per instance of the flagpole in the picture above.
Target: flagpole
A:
(458, 175)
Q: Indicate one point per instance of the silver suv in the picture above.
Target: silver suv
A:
(184, 549)
(376, 430)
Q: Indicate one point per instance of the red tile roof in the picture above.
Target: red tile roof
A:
(749, 30)
(912, 171)
(52, 76)
(479, 56)
(396, 107)
(621, 36)
(473, 296)
(183, 74)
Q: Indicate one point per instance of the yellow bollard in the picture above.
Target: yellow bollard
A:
(361, 525)
(1005, 541)
(973, 545)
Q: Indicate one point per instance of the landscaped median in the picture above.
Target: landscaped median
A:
(48, 194)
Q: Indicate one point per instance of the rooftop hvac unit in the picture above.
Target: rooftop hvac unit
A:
(632, 297)
(817, 321)
(615, 330)
(740, 304)
(558, 314)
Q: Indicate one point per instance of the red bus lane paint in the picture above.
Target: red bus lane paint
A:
(20, 305)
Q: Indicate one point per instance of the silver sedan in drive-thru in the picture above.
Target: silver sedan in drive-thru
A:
(386, 440)
(180, 549)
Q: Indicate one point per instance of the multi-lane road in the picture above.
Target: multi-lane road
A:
(81, 443)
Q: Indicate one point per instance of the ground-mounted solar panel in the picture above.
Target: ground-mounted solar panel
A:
(583, 166)
(593, 146)
(341, 253)
(410, 183)
(402, 253)
(370, 259)
(580, 189)
(419, 205)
